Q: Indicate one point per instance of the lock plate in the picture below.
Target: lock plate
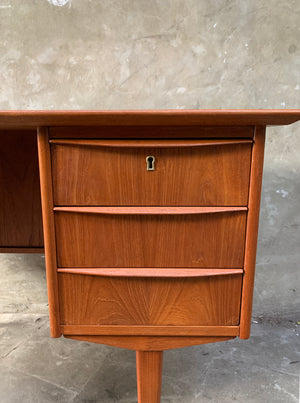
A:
(150, 160)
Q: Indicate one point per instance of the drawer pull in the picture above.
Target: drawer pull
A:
(149, 210)
(158, 143)
(149, 272)
(150, 163)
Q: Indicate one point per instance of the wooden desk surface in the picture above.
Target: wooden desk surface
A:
(231, 117)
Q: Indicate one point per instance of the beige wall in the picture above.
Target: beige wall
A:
(141, 54)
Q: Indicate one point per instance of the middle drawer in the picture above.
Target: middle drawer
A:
(150, 237)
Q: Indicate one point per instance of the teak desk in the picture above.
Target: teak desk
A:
(150, 222)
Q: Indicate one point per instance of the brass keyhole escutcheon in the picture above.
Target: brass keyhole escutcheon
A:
(150, 163)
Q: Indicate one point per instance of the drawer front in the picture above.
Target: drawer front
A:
(137, 240)
(93, 300)
(92, 173)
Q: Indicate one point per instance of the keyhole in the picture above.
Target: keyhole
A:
(150, 163)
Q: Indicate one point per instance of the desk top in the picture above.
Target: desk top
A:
(27, 119)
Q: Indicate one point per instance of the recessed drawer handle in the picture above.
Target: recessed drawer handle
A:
(147, 143)
(150, 210)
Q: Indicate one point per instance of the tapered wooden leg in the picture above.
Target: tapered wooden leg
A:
(149, 374)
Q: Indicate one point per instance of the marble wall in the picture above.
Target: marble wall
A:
(141, 54)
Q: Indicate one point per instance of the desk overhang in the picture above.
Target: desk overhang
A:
(28, 119)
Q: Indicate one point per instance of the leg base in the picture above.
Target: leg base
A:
(149, 374)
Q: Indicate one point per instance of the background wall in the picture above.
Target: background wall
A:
(159, 54)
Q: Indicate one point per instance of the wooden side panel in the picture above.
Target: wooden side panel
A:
(49, 232)
(252, 230)
(216, 175)
(204, 240)
(94, 300)
(20, 202)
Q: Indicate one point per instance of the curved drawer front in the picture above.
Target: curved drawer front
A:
(150, 240)
(186, 173)
(93, 300)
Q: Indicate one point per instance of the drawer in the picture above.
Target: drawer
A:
(187, 172)
(95, 300)
(150, 237)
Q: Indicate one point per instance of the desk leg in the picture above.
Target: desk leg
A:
(149, 374)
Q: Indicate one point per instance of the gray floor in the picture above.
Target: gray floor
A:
(36, 368)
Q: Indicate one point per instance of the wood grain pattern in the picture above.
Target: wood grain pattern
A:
(252, 230)
(214, 117)
(146, 330)
(148, 132)
(149, 376)
(149, 343)
(99, 300)
(49, 230)
(204, 240)
(20, 201)
(180, 220)
(208, 176)
(150, 272)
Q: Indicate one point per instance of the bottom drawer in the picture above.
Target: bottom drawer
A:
(97, 300)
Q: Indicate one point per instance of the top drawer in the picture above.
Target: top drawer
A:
(186, 172)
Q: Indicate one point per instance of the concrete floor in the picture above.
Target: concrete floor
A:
(36, 368)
